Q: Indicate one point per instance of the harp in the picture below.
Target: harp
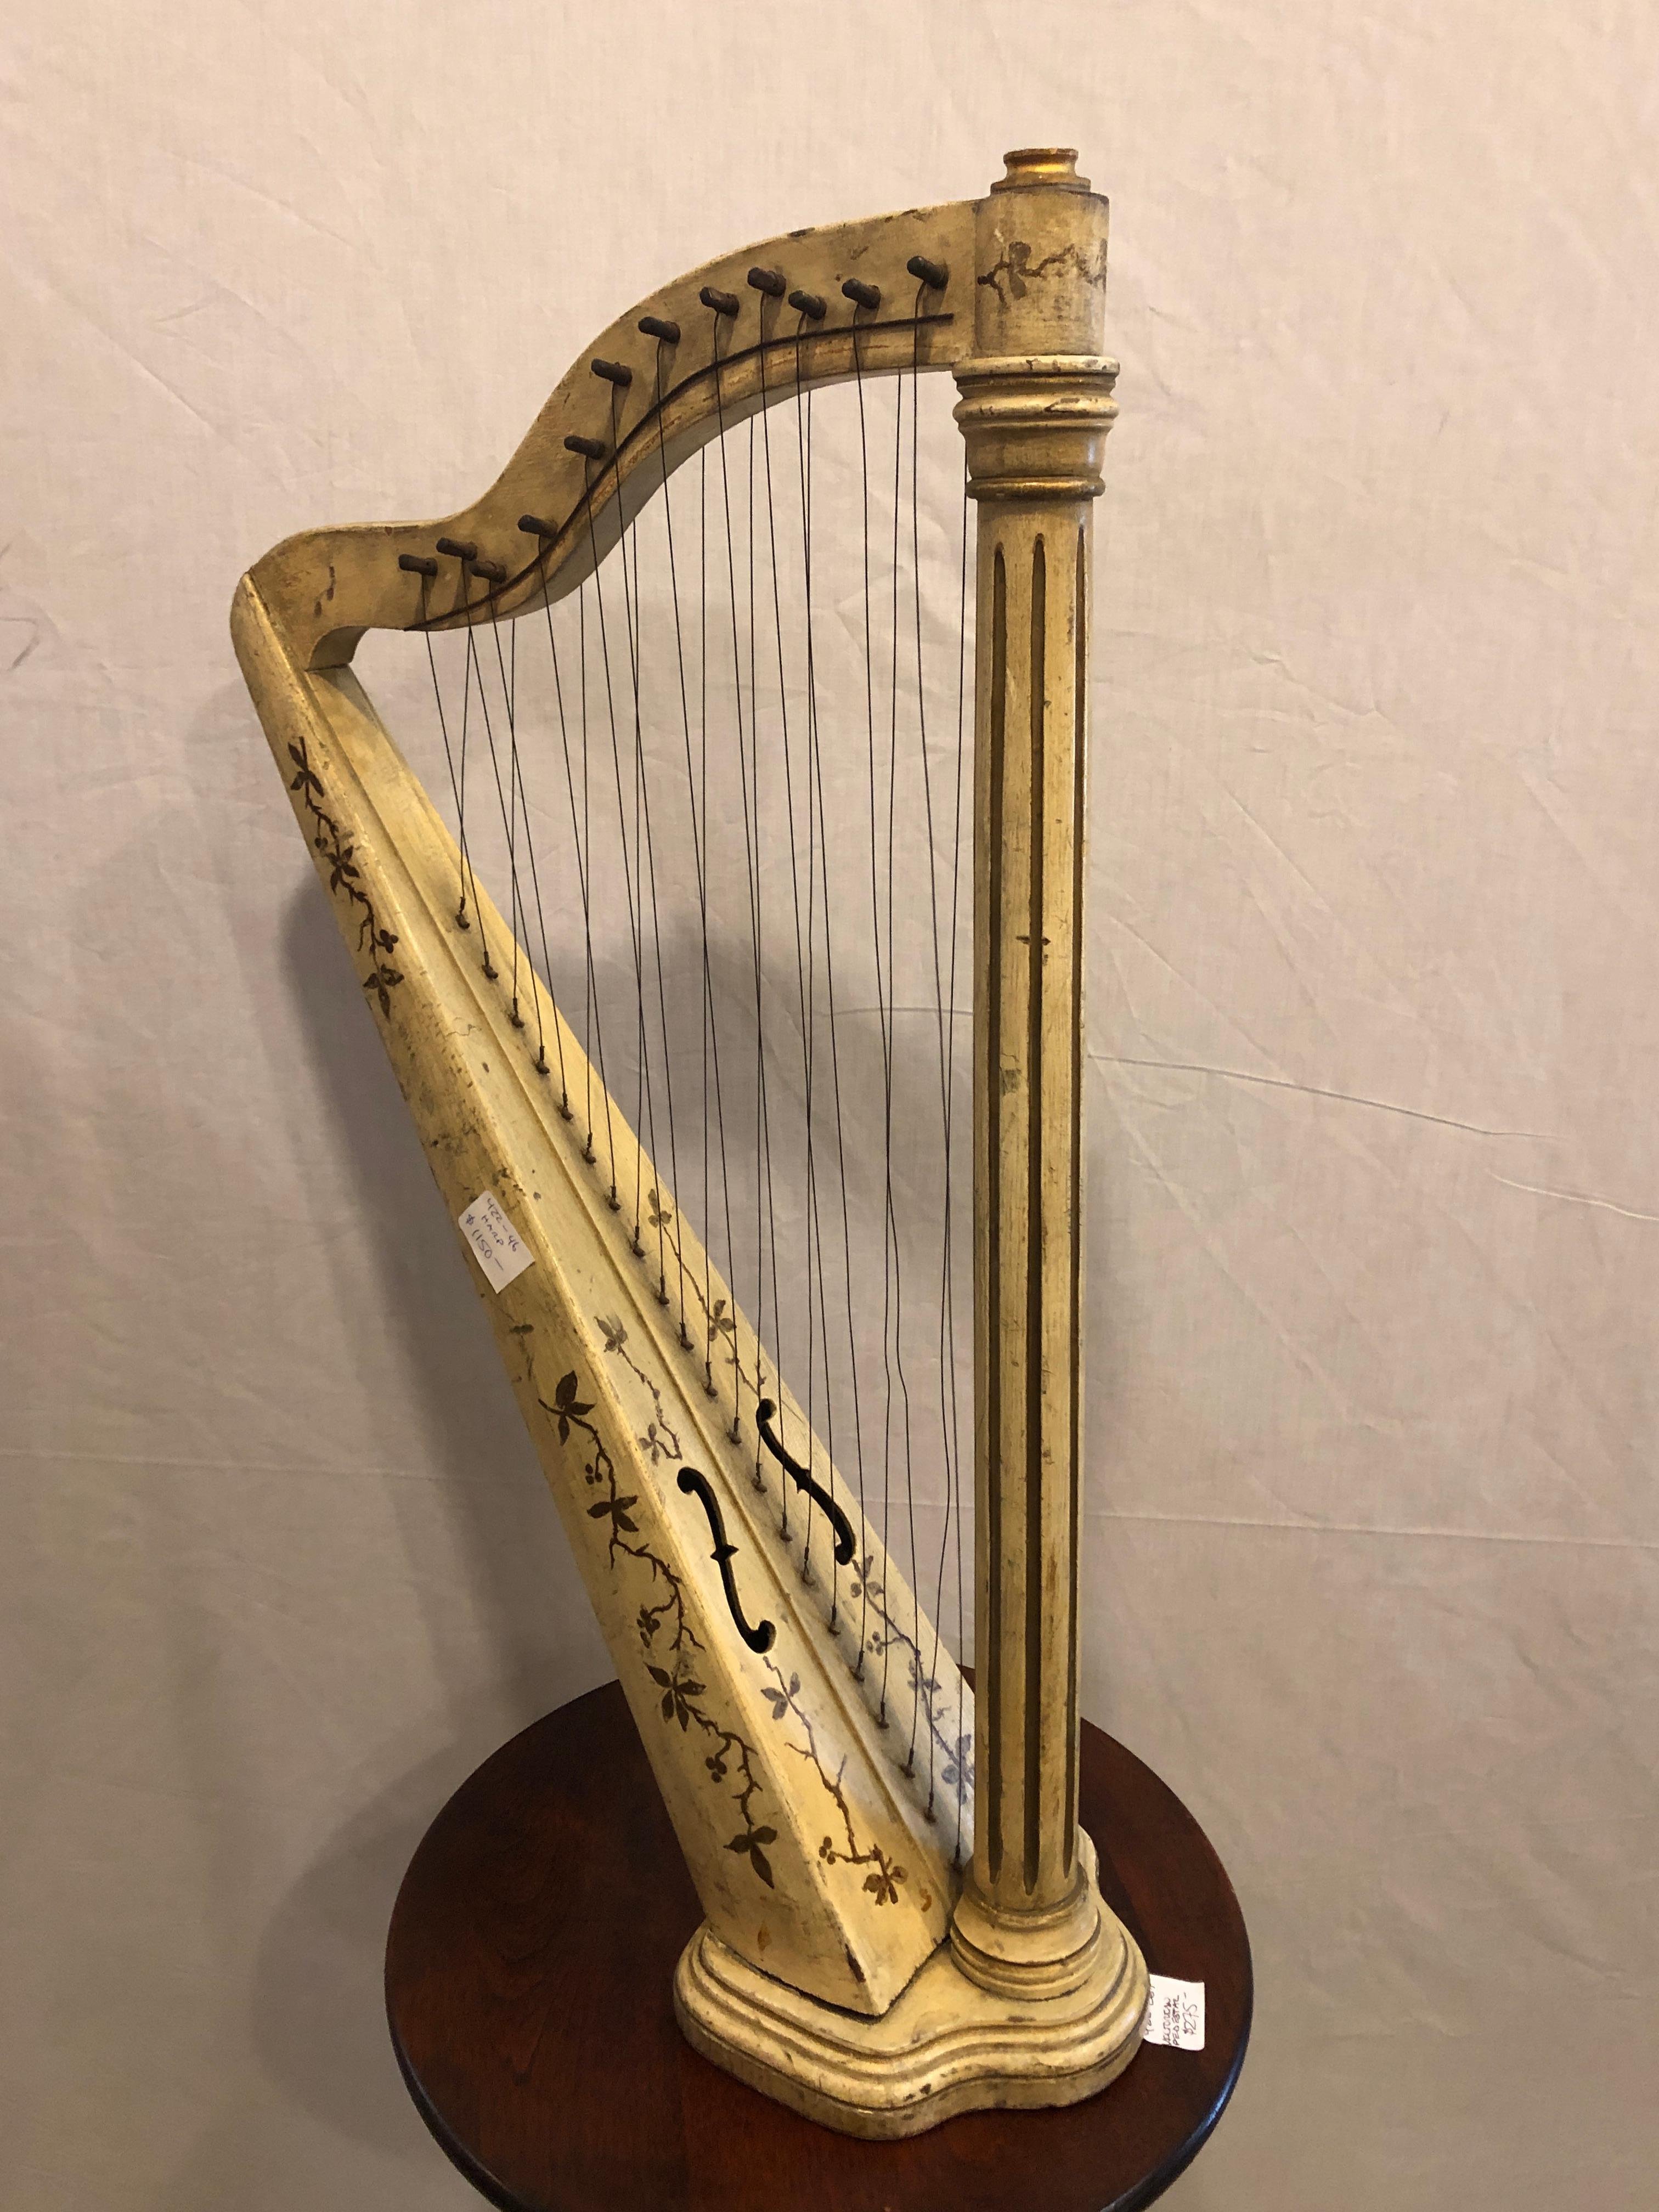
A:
(902, 1918)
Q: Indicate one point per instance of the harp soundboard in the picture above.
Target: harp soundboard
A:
(901, 1915)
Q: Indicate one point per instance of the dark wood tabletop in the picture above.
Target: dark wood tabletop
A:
(528, 1987)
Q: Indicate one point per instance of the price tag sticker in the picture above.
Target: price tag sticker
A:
(496, 1244)
(1175, 2013)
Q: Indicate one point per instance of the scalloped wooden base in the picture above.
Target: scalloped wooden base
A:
(946, 2046)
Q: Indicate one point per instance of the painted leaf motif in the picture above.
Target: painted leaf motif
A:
(749, 1843)
(568, 1407)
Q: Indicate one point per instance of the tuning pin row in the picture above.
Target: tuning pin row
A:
(770, 284)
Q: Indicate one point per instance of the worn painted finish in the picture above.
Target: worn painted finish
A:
(327, 586)
(1035, 407)
(614, 1405)
(827, 1878)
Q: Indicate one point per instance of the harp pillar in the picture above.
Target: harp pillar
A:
(1035, 408)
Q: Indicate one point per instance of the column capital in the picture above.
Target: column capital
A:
(1034, 424)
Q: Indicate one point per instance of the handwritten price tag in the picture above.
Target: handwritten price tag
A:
(496, 1244)
(1175, 2013)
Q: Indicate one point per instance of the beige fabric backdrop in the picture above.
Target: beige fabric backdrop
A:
(1372, 1534)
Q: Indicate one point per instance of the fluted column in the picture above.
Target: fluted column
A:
(1035, 407)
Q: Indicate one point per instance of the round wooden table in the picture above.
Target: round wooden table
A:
(528, 1980)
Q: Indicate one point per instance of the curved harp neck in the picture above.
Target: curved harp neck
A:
(630, 409)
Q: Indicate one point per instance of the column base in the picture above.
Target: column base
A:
(946, 2046)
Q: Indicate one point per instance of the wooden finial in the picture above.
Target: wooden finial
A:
(1041, 164)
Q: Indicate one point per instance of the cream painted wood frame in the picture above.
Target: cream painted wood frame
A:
(874, 1967)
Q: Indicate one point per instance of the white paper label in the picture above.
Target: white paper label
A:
(1175, 2013)
(496, 1244)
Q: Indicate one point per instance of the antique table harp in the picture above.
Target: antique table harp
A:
(903, 1916)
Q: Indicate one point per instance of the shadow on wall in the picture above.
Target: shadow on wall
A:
(515, 1611)
(508, 1632)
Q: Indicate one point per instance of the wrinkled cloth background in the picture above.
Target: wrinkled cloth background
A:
(1372, 1548)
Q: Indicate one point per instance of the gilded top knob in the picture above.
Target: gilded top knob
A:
(1041, 164)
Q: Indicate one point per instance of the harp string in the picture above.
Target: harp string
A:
(519, 814)
(956, 1768)
(593, 1034)
(696, 788)
(815, 800)
(644, 1096)
(463, 869)
(645, 847)
(883, 826)
(761, 595)
(802, 935)
(469, 662)
(948, 1437)
(766, 1243)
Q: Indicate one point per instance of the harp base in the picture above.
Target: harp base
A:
(946, 2046)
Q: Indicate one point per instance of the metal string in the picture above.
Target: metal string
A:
(803, 940)
(464, 869)
(896, 1244)
(815, 800)
(541, 918)
(469, 662)
(815, 993)
(697, 786)
(646, 854)
(961, 1758)
(519, 806)
(928, 1679)
(763, 1163)
(515, 906)
(645, 1111)
(749, 769)
(586, 844)
(594, 1035)
(870, 734)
